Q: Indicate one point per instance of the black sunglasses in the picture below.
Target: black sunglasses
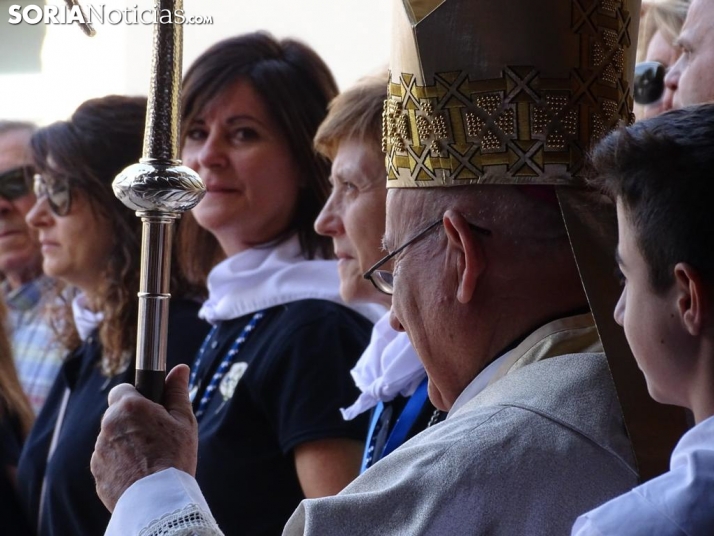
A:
(649, 82)
(58, 194)
(15, 182)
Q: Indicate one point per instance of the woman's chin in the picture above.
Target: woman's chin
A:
(361, 291)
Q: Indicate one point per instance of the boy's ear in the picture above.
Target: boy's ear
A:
(470, 259)
(693, 301)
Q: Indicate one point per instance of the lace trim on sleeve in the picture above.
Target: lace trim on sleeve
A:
(188, 521)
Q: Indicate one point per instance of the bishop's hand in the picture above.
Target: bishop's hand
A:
(139, 437)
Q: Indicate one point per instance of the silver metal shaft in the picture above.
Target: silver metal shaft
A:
(159, 188)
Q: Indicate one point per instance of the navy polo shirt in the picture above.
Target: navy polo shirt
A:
(71, 506)
(286, 386)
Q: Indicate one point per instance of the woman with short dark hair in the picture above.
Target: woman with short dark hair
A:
(294, 86)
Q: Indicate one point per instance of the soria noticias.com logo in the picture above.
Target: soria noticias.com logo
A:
(100, 14)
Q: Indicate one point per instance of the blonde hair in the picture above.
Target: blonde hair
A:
(666, 16)
(12, 399)
(669, 16)
(354, 114)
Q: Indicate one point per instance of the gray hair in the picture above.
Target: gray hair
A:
(13, 126)
(503, 209)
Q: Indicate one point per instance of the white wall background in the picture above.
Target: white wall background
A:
(351, 35)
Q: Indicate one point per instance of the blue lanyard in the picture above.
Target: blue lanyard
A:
(223, 367)
(404, 423)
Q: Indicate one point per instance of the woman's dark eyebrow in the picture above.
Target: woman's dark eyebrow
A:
(243, 117)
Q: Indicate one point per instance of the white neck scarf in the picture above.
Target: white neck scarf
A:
(259, 278)
(85, 320)
(388, 367)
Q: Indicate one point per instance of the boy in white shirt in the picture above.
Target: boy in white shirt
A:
(661, 174)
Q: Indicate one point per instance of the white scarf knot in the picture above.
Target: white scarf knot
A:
(85, 320)
(388, 367)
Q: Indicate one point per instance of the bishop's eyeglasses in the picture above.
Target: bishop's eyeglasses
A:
(383, 280)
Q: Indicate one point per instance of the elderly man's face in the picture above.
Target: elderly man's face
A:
(413, 304)
(20, 257)
(425, 294)
(692, 77)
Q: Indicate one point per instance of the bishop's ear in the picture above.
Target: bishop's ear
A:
(693, 298)
(464, 246)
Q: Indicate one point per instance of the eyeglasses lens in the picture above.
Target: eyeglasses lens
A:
(58, 194)
(384, 281)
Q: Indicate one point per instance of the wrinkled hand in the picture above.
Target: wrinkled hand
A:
(139, 437)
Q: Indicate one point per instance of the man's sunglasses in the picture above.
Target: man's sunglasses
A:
(15, 182)
(649, 82)
(58, 194)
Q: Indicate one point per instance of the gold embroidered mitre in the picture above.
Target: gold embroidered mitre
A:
(504, 91)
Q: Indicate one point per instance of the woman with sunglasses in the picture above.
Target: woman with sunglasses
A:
(269, 379)
(91, 242)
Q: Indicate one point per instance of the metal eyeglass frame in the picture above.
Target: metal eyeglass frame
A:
(383, 280)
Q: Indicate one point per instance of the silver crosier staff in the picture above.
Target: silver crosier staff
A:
(160, 189)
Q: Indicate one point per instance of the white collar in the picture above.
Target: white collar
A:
(388, 367)
(535, 347)
(85, 320)
(697, 438)
(264, 277)
(478, 384)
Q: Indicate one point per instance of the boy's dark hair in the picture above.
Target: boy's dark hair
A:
(662, 170)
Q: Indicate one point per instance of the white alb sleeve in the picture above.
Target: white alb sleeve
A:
(167, 503)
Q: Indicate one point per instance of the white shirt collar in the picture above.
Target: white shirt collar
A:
(85, 320)
(696, 438)
(264, 277)
(478, 384)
